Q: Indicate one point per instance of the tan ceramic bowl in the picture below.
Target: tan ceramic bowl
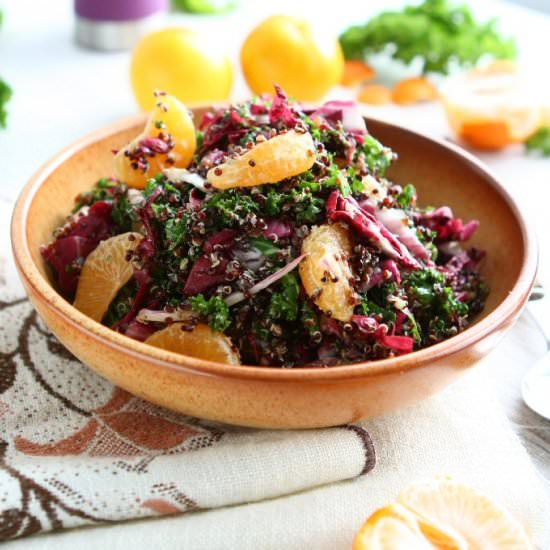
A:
(271, 397)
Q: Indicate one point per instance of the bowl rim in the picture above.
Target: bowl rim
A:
(499, 317)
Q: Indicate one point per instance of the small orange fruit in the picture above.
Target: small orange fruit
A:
(325, 271)
(105, 271)
(492, 107)
(167, 141)
(356, 72)
(304, 60)
(442, 514)
(189, 65)
(269, 161)
(201, 343)
(414, 90)
(374, 94)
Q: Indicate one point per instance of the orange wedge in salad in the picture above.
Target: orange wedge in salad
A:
(106, 270)
(492, 107)
(167, 141)
(200, 342)
(442, 515)
(269, 161)
(325, 271)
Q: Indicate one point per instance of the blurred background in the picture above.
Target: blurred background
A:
(62, 89)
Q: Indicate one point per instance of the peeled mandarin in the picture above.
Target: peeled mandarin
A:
(201, 343)
(442, 514)
(374, 94)
(356, 72)
(414, 90)
(105, 271)
(392, 527)
(270, 161)
(167, 141)
(325, 271)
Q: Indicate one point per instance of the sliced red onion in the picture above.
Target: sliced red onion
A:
(261, 119)
(237, 297)
(135, 197)
(184, 176)
(346, 111)
(398, 223)
(161, 316)
(251, 257)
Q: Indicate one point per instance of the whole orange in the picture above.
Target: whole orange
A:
(290, 52)
(182, 63)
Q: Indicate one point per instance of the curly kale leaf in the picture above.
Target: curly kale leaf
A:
(214, 310)
(437, 31)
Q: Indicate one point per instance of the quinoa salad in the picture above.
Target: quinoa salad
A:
(266, 235)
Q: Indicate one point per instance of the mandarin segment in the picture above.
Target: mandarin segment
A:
(414, 90)
(270, 161)
(374, 94)
(391, 528)
(462, 509)
(356, 72)
(167, 141)
(441, 515)
(105, 271)
(325, 271)
(201, 343)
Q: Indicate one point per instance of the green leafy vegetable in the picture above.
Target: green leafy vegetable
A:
(540, 142)
(284, 304)
(175, 231)
(232, 205)
(427, 289)
(407, 197)
(5, 95)
(437, 31)
(265, 246)
(377, 156)
(215, 310)
(122, 303)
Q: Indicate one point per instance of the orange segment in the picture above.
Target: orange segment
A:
(356, 72)
(270, 161)
(374, 94)
(443, 515)
(105, 271)
(325, 272)
(171, 127)
(414, 90)
(201, 343)
(490, 135)
(391, 528)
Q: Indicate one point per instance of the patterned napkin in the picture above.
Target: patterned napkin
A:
(76, 450)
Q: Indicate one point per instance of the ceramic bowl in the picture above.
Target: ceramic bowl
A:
(272, 397)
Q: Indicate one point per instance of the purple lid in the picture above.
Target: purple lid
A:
(118, 10)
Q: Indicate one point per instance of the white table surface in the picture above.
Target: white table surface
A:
(61, 92)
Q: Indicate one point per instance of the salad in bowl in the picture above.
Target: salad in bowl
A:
(267, 235)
